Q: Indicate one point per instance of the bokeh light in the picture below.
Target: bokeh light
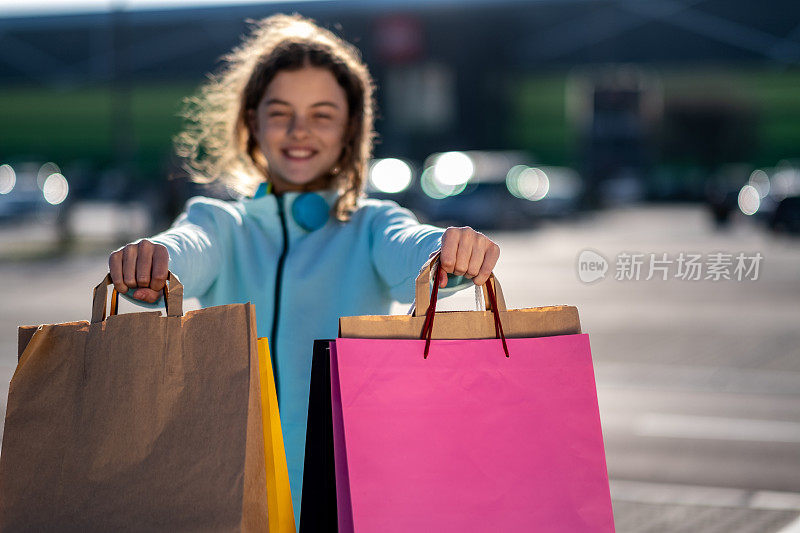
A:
(453, 169)
(45, 171)
(437, 190)
(527, 182)
(749, 200)
(512, 179)
(390, 175)
(760, 181)
(55, 188)
(785, 182)
(8, 178)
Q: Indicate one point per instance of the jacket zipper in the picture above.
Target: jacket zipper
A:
(277, 307)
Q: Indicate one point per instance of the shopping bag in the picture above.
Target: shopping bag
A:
(138, 422)
(530, 322)
(468, 434)
(279, 494)
(319, 477)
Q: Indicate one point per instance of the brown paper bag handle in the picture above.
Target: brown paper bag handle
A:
(173, 298)
(427, 327)
(422, 291)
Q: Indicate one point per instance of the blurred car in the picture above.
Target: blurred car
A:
(493, 189)
(722, 192)
(786, 218)
(768, 195)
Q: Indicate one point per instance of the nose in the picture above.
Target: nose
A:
(298, 127)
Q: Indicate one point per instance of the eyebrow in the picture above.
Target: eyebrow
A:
(318, 104)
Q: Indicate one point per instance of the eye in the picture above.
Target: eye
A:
(277, 114)
(323, 116)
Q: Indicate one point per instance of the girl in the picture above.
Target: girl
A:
(289, 123)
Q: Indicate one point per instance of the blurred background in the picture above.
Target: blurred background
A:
(556, 126)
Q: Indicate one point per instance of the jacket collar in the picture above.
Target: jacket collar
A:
(262, 191)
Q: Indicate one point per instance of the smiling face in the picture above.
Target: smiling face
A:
(300, 126)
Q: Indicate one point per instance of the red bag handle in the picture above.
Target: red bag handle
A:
(427, 327)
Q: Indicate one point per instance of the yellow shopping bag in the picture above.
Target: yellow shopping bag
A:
(279, 495)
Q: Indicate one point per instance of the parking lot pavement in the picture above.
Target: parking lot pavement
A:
(638, 517)
(698, 381)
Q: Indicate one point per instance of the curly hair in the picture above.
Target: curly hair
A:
(217, 143)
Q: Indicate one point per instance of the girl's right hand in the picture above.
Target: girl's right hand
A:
(142, 265)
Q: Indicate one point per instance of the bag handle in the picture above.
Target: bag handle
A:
(427, 327)
(422, 290)
(173, 298)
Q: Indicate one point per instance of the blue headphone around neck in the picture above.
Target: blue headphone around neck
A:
(309, 210)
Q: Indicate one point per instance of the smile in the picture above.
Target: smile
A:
(299, 154)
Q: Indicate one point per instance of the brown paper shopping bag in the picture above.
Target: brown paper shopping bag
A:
(137, 422)
(529, 322)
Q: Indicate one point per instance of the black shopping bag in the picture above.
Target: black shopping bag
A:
(318, 507)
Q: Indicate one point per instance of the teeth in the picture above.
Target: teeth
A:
(299, 153)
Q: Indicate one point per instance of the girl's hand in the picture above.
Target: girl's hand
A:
(468, 252)
(142, 265)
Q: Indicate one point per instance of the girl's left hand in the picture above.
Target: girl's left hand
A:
(466, 252)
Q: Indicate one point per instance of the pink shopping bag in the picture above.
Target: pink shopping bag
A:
(468, 438)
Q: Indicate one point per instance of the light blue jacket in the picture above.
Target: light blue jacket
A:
(228, 252)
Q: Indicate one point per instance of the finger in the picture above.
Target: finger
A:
(450, 248)
(489, 262)
(463, 254)
(147, 295)
(160, 271)
(115, 269)
(442, 279)
(144, 263)
(476, 259)
(129, 265)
